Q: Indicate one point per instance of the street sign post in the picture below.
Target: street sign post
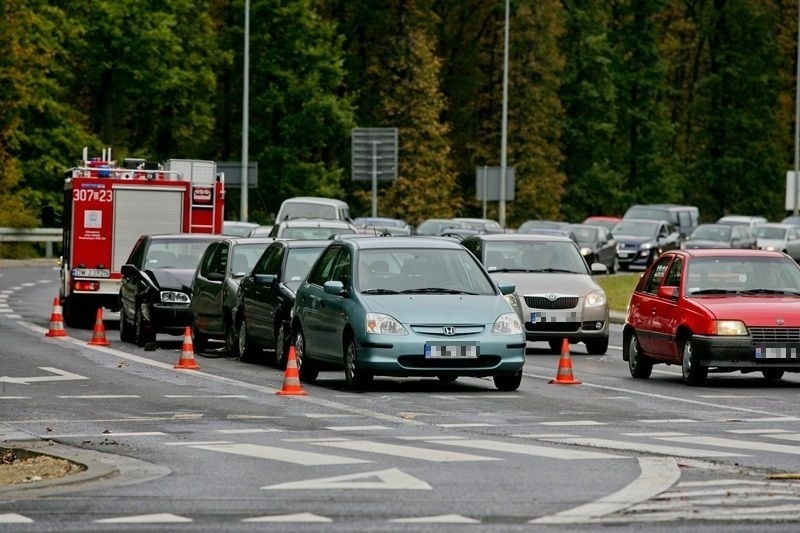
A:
(488, 185)
(374, 157)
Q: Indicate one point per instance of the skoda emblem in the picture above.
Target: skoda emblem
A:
(449, 330)
(779, 320)
(551, 296)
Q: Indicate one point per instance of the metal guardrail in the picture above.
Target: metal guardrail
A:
(45, 235)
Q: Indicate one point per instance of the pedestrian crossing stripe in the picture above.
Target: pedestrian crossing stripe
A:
(410, 452)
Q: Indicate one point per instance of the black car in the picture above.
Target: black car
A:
(266, 296)
(215, 286)
(597, 245)
(156, 293)
(641, 241)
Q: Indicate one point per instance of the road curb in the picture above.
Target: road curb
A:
(616, 317)
(100, 469)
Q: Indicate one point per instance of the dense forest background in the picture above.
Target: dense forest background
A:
(610, 102)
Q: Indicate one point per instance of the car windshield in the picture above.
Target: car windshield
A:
(712, 233)
(421, 271)
(316, 232)
(183, 254)
(584, 234)
(770, 232)
(742, 275)
(635, 229)
(307, 210)
(534, 256)
(245, 256)
(298, 263)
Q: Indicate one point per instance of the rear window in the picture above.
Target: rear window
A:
(307, 210)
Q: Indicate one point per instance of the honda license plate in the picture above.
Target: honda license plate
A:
(458, 351)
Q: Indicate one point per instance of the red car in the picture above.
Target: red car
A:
(722, 310)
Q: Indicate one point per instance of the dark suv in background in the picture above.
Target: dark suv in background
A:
(684, 218)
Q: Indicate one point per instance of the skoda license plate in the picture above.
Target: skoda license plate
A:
(459, 351)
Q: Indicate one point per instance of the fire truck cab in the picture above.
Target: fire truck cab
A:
(108, 206)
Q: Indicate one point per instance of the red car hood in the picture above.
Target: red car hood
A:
(761, 311)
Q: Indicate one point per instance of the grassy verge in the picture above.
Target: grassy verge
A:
(618, 289)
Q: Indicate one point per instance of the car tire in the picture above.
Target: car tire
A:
(508, 383)
(246, 350)
(597, 346)
(143, 331)
(306, 368)
(624, 268)
(693, 373)
(772, 374)
(232, 338)
(555, 345)
(357, 378)
(281, 345)
(126, 332)
(638, 363)
(199, 340)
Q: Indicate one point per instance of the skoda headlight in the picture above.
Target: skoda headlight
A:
(730, 327)
(507, 324)
(595, 299)
(381, 324)
(174, 297)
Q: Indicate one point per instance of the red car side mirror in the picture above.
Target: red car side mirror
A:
(668, 292)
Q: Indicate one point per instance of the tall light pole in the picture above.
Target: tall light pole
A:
(245, 111)
(504, 128)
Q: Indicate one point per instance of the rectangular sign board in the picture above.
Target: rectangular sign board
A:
(491, 192)
(233, 174)
(374, 153)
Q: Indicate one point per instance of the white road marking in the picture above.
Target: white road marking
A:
(286, 455)
(248, 430)
(158, 518)
(785, 436)
(465, 425)
(356, 428)
(721, 482)
(642, 447)
(526, 449)
(251, 417)
(440, 519)
(668, 421)
(14, 518)
(293, 518)
(409, 452)
(380, 479)
(431, 437)
(573, 423)
(770, 419)
(657, 475)
(324, 415)
(15, 316)
(14, 397)
(61, 375)
(205, 396)
(655, 434)
(737, 444)
(99, 396)
(756, 431)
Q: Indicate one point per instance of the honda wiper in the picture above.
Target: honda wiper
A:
(379, 291)
(435, 290)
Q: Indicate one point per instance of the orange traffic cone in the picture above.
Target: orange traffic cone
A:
(291, 380)
(56, 321)
(99, 333)
(564, 376)
(187, 352)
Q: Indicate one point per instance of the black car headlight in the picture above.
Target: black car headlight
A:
(174, 297)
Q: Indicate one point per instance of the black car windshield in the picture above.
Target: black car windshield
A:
(639, 228)
(422, 270)
(742, 275)
(534, 256)
(180, 254)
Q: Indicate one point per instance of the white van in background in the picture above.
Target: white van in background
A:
(313, 207)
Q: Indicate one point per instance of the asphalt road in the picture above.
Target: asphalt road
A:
(216, 449)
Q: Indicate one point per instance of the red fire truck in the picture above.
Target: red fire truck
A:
(108, 206)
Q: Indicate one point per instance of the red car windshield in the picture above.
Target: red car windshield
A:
(741, 275)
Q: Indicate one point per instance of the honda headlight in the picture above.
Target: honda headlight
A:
(595, 299)
(507, 324)
(586, 251)
(513, 301)
(730, 327)
(174, 297)
(380, 324)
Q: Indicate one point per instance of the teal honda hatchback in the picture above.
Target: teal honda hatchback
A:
(406, 306)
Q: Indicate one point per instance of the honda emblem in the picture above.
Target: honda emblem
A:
(449, 330)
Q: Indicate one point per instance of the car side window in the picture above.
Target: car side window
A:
(261, 264)
(656, 275)
(673, 278)
(137, 255)
(342, 270)
(273, 263)
(322, 272)
(220, 258)
(206, 265)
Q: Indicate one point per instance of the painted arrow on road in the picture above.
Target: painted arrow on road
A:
(62, 375)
